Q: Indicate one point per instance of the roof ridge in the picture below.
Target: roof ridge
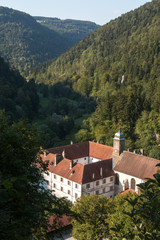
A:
(68, 145)
(141, 155)
(100, 144)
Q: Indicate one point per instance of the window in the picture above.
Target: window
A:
(61, 179)
(84, 158)
(47, 182)
(117, 179)
(103, 190)
(54, 185)
(111, 188)
(88, 185)
(76, 195)
(111, 179)
(126, 184)
(133, 184)
(69, 192)
(97, 183)
(55, 177)
(69, 183)
(76, 185)
(97, 192)
(104, 180)
(62, 189)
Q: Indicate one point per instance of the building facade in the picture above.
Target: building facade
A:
(93, 168)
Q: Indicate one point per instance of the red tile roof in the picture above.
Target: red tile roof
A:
(85, 149)
(100, 151)
(137, 165)
(73, 151)
(62, 169)
(80, 173)
(96, 169)
(126, 191)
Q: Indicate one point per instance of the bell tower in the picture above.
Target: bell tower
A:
(118, 143)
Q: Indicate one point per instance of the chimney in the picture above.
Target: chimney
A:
(45, 154)
(56, 160)
(71, 164)
(71, 142)
(93, 175)
(135, 151)
(142, 151)
(128, 149)
(101, 173)
(63, 153)
(98, 141)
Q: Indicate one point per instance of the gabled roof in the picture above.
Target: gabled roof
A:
(72, 151)
(80, 150)
(80, 173)
(99, 170)
(100, 151)
(137, 165)
(62, 169)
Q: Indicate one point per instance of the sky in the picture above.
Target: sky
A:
(98, 11)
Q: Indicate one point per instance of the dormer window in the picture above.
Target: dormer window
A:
(111, 179)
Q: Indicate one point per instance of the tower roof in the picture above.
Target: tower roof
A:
(119, 136)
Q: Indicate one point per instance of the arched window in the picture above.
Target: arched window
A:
(126, 185)
(117, 179)
(133, 184)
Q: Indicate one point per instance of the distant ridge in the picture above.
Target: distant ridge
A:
(126, 48)
(73, 30)
(25, 42)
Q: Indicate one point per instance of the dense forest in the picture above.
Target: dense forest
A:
(18, 97)
(73, 30)
(57, 110)
(117, 65)
(25, 42)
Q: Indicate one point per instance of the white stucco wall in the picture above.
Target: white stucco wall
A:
(86, 160)
(63, 188)
(72, 190)
(107, 188)
(122, 179)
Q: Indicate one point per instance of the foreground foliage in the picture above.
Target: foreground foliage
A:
(92, 214)
(129, 216)
(25, 204)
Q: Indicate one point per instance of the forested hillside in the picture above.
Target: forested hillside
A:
(73, 30)
(18, 97)
(118, 65)
(57, 110)
(24, 42)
